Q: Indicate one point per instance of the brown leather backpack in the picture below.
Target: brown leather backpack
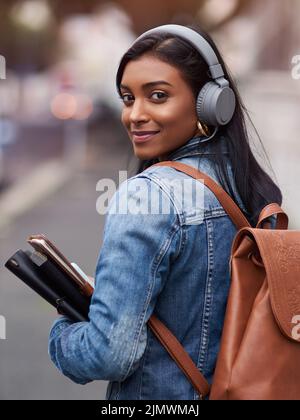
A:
(260, 345)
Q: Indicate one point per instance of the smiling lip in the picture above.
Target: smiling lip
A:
(143, 136)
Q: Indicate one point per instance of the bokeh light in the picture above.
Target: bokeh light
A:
(71, 106)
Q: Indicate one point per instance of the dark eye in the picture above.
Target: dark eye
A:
(127, 98)
(123, 97)
(163, 95)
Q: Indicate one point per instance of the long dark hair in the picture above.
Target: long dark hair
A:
(254, 185)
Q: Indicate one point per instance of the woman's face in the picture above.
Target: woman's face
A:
(157, 100)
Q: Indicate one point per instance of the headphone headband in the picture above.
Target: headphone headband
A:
(200, 44)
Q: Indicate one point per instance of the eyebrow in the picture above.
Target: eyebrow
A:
(149, 84)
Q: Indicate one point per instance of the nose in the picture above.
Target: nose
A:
(138, 112)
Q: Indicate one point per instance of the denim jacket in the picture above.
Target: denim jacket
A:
(174, 264)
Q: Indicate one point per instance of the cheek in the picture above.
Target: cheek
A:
(177, 112)
(177, 115)
(123, 118)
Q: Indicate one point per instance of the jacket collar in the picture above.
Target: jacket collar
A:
(197, 146)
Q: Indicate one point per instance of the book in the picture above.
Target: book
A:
(49, 273)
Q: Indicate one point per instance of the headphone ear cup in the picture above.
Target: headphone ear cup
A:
(215, 105)
(201, 105)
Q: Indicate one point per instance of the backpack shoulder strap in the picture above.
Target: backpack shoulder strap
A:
(231, 208)
(271, 210)
(180, 356)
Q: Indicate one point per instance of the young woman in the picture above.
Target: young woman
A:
(174, 264)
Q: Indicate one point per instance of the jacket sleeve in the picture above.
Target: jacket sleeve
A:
(138, 249)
